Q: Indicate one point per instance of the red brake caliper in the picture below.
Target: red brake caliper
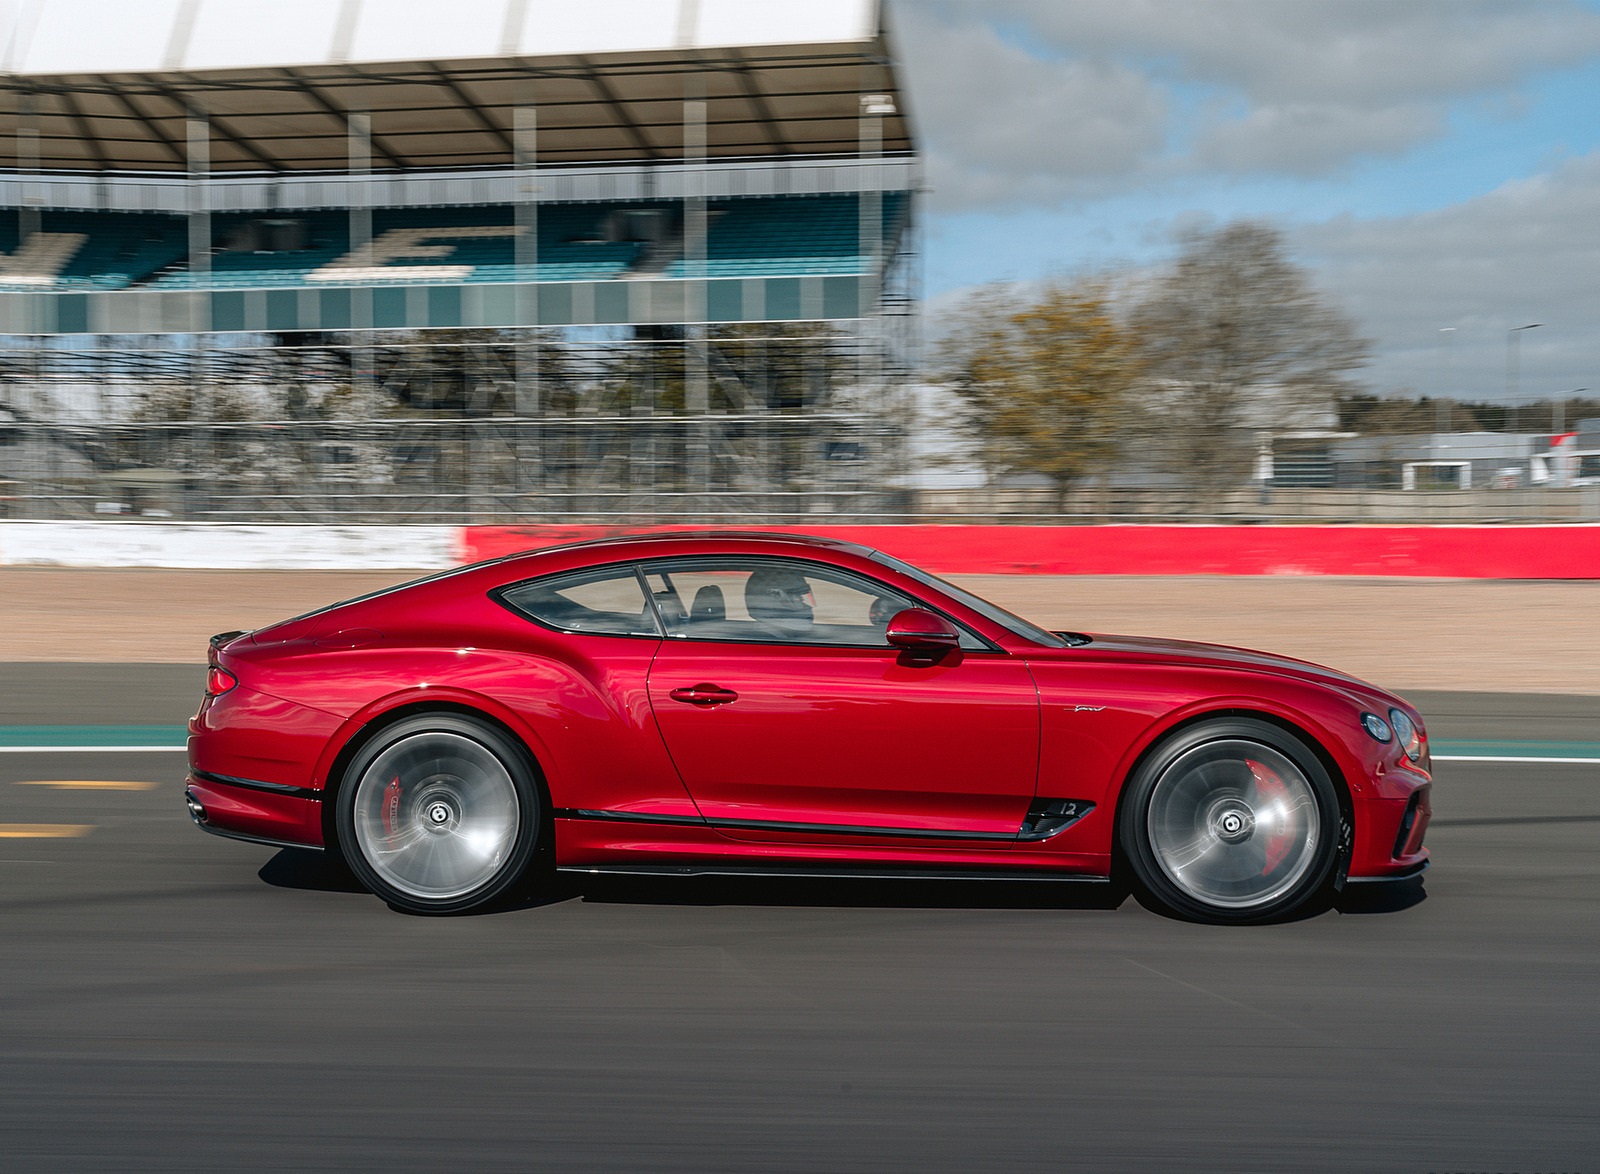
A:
(391, 806)
(1271, 792)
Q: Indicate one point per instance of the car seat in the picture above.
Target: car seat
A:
(709, 606)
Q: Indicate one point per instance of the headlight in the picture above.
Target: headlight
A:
(1377, 727)
(1406, 731)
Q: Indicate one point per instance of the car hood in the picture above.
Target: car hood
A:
(1224, 656)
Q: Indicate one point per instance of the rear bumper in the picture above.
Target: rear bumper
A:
(262, 813)
(252, 768)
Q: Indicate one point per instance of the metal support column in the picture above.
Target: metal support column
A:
(875, 104)
(530, 462)
(358, 165)
(29, 198)
(697, 373)
(28, 202)
(198, 162)
(199, 168)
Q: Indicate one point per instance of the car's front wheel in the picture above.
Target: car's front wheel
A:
(1231, 820)
(439, 813)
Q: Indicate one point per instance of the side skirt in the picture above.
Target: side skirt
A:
(1046, 820)
(805, 873)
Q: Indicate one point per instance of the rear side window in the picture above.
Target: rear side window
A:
(608, 602)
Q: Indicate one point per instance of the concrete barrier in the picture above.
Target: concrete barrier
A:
(1457, 552)
(227, 547)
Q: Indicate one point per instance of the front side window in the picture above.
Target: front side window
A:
(608, 601)
(775, 601)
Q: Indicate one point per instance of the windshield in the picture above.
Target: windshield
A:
(1014, 624)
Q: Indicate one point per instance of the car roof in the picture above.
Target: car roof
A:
(619, 543)
(670, 537)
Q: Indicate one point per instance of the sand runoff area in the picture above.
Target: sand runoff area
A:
(1457, 634)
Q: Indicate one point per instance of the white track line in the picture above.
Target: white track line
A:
(1489, 758)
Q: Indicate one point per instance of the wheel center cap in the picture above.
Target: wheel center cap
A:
(439, 813)
(1233, 823)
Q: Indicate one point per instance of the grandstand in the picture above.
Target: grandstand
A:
(499, 259)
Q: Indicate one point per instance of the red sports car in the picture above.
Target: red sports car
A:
(757, 704)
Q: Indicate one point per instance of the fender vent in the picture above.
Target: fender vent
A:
(1051, 817)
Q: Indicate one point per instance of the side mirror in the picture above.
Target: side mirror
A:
(916, 630)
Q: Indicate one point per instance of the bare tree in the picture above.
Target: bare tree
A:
(1046, 381)
(1236, 342)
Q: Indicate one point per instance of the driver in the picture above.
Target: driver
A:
(780, 598)
(883, 610)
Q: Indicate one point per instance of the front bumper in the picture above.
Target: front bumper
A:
(1391, 820)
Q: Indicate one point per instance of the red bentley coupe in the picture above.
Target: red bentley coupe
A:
(757, 704)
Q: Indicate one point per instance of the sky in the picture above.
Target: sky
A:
(1435, 164)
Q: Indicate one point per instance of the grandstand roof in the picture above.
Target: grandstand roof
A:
(109, 84)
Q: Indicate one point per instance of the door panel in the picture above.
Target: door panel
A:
(849, 737)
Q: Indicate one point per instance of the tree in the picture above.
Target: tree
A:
(1237, 341)
(1046, 382)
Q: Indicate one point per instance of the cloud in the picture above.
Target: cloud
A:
(1526, 252)
(1311, 138)
(1373, 51)
(1092, 97)
(1008, 126)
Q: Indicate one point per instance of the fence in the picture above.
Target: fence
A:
(1277, 504)
(757, 423)
(782, 423)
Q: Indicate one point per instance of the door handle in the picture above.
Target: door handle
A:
(704, 695)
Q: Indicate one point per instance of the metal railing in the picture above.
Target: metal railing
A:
(746, 425)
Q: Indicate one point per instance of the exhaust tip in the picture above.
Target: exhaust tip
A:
(197, 810)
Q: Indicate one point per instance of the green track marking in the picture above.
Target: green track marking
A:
(53, 736)
(1469, 748)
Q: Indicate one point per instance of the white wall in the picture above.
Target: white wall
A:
(227, 547)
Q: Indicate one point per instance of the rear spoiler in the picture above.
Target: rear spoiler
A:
(222, 638)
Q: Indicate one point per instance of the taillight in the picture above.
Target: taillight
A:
(219, 681)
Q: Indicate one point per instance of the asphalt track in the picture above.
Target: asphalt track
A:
(173, 1001)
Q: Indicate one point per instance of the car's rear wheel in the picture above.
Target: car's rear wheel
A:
(439, 813)
(1232, 820)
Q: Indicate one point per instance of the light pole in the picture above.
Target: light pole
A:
(1442, 411)
(1559, 413)
(1514, 359)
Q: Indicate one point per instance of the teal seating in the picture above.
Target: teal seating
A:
(747, 237)
(121, 249)
(562, 255)
(778, 236)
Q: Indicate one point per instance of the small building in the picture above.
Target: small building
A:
(1438, 460)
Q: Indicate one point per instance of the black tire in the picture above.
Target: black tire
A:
(439, 813)
(1233, 821)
